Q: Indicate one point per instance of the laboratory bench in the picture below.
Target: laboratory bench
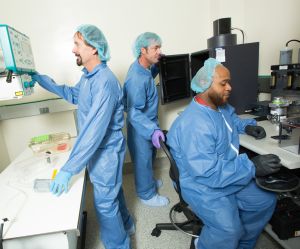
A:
(33, 219)
(269, 145)
(289, 160)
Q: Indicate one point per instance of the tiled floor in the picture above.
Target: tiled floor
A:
(147, 217)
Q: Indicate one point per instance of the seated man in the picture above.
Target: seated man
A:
(216, 181)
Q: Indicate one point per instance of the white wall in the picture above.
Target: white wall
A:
(184, 27)
(4, 159)
(272, 23)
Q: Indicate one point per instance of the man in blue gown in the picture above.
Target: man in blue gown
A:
(100, 145)
(141, 105)
(216, 181)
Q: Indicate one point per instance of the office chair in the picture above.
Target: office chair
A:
(193, 225)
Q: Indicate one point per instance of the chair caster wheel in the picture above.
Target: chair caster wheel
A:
(156, 232)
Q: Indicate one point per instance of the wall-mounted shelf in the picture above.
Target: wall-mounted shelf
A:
(35, 108)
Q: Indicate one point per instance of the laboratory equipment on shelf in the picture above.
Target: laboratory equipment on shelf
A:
(285, 83)
(278, 110)
(16, 64)
(286, 54)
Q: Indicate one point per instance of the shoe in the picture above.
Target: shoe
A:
(131, 230)
(196, 242)
(159, 183)
(156, 201)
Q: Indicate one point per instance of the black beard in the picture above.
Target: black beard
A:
(217, 100)
(79, 61)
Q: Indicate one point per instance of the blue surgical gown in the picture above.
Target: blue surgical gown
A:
(100, 146)
(216, 181)
(141, 105)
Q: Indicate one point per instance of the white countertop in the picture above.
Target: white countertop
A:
(269, 145)
(32, 213)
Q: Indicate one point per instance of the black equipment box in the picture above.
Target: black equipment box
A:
(242, 61)
(286, 219)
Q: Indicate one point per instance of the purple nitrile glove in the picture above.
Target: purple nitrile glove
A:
(157, 134)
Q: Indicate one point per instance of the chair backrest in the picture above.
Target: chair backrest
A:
(174, 172)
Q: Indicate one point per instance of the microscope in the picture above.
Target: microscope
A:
(285, 112)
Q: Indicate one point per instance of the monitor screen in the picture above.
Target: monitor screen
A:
(174, 77)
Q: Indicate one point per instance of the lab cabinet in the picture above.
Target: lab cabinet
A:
(174, 77)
